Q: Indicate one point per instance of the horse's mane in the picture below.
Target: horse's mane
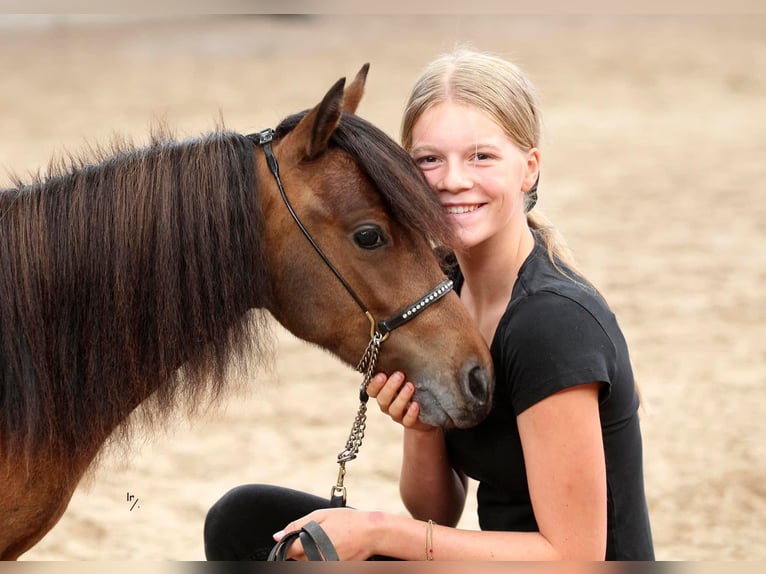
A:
(129, 273)
(121, 267)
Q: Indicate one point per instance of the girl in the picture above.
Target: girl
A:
(559, 458)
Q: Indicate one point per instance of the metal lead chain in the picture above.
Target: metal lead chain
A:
(355, 436)
(366, 366)
(367, 363)
(354, 442)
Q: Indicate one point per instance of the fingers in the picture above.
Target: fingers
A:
(402, 402)
(295, 551)
(376, 383)
(326, 518)
(394, 396)
(410, 419)
(386, 390)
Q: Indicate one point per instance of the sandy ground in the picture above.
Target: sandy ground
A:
(653, 169)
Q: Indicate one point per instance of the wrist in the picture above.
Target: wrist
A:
(399, 537)
(424, 433)
(378, 531)
(426, 443)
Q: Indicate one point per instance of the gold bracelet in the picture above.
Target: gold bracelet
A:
(430, 540)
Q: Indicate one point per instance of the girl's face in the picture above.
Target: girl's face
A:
(479, 173)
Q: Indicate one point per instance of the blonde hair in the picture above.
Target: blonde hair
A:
(500, 89)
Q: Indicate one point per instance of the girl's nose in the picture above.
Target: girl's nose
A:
(456, 178)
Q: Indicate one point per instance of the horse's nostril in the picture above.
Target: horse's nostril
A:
(478, 384)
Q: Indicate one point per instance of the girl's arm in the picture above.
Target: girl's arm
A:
(430, 488)
(566, 472)
(563, 451)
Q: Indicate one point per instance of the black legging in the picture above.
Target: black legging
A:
(241, 525)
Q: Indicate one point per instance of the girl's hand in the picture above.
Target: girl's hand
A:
(394, 396)
(352, 532)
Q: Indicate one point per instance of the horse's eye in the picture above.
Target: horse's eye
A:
(369, 237)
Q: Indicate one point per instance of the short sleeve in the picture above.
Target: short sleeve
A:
(548, 343)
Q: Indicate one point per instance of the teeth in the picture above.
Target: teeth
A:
(457, 209)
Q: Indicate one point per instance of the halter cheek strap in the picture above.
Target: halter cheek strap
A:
(264, 139)
(379, 331)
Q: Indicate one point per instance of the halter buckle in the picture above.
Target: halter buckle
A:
(262, 137)
(381, 335)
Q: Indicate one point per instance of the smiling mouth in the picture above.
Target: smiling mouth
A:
(460, 209)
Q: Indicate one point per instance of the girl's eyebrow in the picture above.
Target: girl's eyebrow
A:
(422, 148)
(426, 148)
(486, 146)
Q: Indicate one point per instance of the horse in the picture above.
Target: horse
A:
(140, 276)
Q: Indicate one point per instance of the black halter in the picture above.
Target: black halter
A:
(381, 328)
(379, 331)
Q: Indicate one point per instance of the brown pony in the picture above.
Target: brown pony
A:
(144, 275)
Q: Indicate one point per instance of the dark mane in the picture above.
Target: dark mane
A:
(125, 266)
(138, 266)
(402, 185)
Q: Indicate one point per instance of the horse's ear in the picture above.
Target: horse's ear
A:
(355, 90)
(312, 133)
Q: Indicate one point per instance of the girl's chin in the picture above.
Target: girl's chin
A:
(467, 240)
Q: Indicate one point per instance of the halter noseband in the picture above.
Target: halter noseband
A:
(379, 331)
(382, 328)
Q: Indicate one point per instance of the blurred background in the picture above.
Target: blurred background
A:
(653, 168)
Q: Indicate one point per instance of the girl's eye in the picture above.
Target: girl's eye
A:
(369, 237)
(426, 159)
(481, 156)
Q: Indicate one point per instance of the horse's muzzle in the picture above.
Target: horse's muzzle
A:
(466, 406)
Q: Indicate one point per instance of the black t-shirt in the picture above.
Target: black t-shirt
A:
(557, 332)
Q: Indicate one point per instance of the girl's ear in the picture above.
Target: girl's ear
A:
(532, 169)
